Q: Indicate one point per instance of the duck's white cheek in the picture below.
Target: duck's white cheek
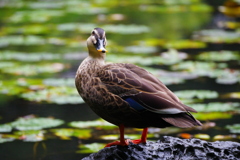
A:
(94, 40)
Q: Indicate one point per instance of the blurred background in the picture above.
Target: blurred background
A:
(192, 46)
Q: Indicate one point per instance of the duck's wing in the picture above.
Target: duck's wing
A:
(143, 91)
(140, 88)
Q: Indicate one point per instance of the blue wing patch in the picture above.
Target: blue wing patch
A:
(135, 105)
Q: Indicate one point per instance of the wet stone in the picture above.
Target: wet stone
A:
(171, 148)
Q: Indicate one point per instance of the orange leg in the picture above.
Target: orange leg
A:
(143, 138)
(124, 142)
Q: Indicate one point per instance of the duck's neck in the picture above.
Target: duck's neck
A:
(96, 56)
(97, 61)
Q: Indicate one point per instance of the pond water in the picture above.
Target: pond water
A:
(189, 45)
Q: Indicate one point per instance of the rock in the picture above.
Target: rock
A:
(170, 148)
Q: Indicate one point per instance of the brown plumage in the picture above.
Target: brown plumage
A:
(127, 95)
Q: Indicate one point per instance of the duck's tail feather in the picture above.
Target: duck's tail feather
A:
(182, 120)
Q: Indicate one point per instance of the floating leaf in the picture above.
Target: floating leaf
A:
(140, 49)
(5, 128)
(34, 15)
(31, 135)
(235, 128)
(60, 82)
(29, 132)
(10, 88)
(219, 56)
(209, 69)
(202, 136)
(135, 59)
(21, 40)
(177, 7)
(110, 137)
(6, 64)
(120, 29)
(84, 27)
(6, 138)
(66, 133)
(35, 123)
(169, 80)
(225, 137)
(218, 36)
(34, 69)
(126, 29)
(100, 123)
(199, 94)
(232, 95)
(183, 44)
(29, 57)
(86, 10)
(217, 107)
(90, 148)
(228, 77)
(58, 95)
(212, 116)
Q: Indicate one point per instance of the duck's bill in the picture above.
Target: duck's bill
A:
(100, 47)
(102, 50)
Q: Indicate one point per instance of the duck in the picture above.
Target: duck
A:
(127, 95)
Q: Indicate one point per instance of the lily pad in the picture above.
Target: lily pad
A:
(135, 59)
(141, 49)
(33, 69)
(228, 77)
(209, 69)
(219, 56)
(120, 29)
(212, 116)
(30, 135)
(35, 16)
(60, 82)
(232, 95)
(169, 80)
(217, 107)
(177, 7)
(90, 148)
(83, 27)
(4, 139)
(172, 56)
(183, 44)
(126, 29)
(58, 95)
(10, 88)
(66, 133)
(217, 36)
(202, 136)
(22, 40)
(235, 128)
(225, 137)
(199, 94)
(99, 123)
(33, 123)
(28, 57)
(5, 128)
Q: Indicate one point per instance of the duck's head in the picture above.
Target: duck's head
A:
(96, 42)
